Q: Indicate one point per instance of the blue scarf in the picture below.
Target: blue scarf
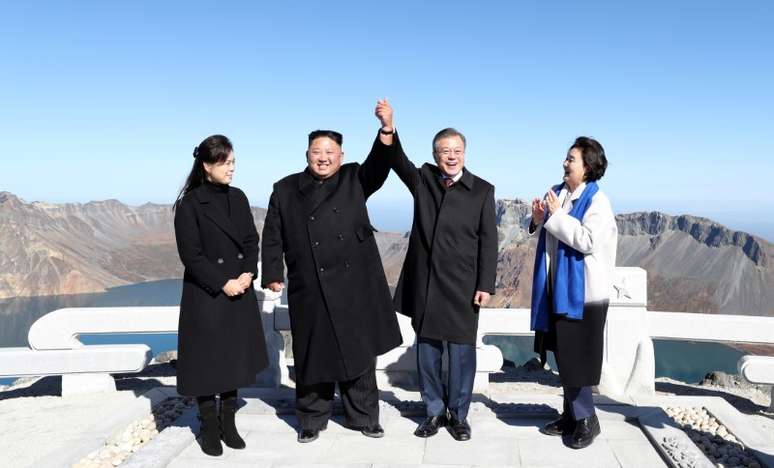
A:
(569, 278)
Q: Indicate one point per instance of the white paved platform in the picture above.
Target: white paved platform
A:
(507, 439)
(43, 431)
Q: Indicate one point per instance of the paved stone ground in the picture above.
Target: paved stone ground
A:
(40, 429)
(504, 434)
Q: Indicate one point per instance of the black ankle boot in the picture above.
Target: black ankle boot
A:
(209, 433)
(228, 428)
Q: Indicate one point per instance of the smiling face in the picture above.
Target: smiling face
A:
(324, 157)
(221, 172)
(449, 154)
(574, 169)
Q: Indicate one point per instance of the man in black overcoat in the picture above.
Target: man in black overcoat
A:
(449, 272)
(341, 313)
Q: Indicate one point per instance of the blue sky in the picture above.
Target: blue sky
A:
(107, 99)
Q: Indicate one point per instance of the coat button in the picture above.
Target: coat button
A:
(335, 210)
(346, 265)
(322, 270)
(220, 260)
(340, 236)
(240, 256)
(311, 218)
(316, 243)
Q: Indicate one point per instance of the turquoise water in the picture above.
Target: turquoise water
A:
(684, 361)
(687, 361)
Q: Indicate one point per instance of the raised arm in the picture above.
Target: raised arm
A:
(189, 247)
(375, 169)
(272, 248)
(400, 163)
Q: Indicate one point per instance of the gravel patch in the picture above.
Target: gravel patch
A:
(126, 442)
(712, 437)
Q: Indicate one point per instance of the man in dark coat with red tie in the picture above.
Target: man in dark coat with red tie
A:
(449, 272)
(341, 313)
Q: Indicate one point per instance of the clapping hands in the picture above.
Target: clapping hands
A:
(538, 211)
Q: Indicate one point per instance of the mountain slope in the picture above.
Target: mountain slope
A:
(693, 264)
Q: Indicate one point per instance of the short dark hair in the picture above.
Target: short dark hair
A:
(449, 132)
(593, 157)
(333, 135)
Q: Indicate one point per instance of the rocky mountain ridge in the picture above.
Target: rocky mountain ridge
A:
(693, 263)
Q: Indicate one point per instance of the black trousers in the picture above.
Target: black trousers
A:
(359, 396)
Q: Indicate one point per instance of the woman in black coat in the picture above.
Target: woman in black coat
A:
(221, 346)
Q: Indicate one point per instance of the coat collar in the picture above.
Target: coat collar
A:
(204, 197)
(466, 180)
(575, 195)
(316, 191)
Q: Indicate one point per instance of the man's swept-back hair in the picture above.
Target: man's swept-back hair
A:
(449, 132)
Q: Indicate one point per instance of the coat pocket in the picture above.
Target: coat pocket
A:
(364, 232)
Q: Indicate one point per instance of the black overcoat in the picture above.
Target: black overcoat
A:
(341, 315)
(452, 251)
(221, 345)
(577, 344)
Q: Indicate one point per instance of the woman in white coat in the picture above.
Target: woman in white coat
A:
(570, 293)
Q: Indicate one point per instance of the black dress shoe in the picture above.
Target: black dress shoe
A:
(374, 431)
(565, 425)
(430, 425)
(460, 430)
(586, 430)
(309, 435)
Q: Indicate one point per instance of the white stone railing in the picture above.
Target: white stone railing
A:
(55, 348)
(628, 361)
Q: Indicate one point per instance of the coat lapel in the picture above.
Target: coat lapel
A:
(315, 193)
(467, 179)
(211, 211)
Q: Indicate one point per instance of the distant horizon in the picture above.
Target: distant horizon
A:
(387, 215)
(108, 100)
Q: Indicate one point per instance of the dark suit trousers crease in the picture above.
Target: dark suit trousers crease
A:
(459, 384)
(359, 396)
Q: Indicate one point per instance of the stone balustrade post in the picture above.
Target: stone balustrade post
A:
(272, 376)
(628, 363)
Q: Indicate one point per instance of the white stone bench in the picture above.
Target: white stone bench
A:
(758, 370)
(56, 350)
(626, 333)
(83, 370)
(398, 366)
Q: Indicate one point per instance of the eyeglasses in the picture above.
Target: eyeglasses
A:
(448, 151)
